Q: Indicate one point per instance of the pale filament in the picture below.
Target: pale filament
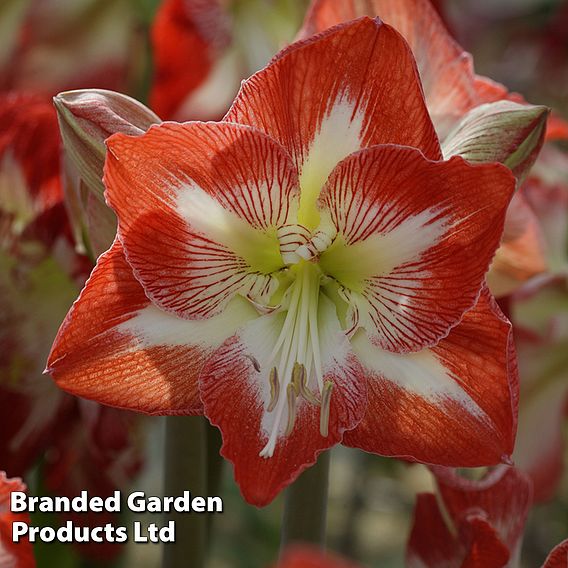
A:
(297, 352)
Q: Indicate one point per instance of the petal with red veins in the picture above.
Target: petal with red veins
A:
(503, 497)
(558, 557)
(117, 348)
(472, 524)
(453, 404)
(373, 96)
(235, 389)
(415, 239)
(434, 544)
(445, 68)
(198, 208)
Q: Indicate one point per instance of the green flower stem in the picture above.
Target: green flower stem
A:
(305, 506)
(214, 471)
(186, 469)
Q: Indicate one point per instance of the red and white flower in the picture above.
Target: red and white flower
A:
(473, 524)
(12, 554)
(305, 272)
(463, 106)
(203, 49)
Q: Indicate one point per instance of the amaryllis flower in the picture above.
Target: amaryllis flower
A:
(82, 445)
(539, 311)
(203, 49)
(306, 272)
(474, 524)
(462, 104)
(12, 554)
(451, 86)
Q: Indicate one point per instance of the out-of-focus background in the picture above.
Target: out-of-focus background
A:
(61, 445)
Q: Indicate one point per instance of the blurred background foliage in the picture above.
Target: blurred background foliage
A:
(521, 43)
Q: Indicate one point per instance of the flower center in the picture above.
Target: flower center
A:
(295, 360)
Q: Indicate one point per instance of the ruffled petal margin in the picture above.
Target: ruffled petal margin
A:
(372, 97)
(417, 238)
(117, 348)
(198, 205)
(453, 404)
(234, 389)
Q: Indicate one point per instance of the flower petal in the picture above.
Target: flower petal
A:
(522, 252)
(236, 395)
(117, 348)
(432, 543)
(373, 96)
(415, 239)
(504, 495)
(198, 206)
(453, 404)
(188, 37)
(13, 555)
(446, 70)
(472, 524)
(558, 557)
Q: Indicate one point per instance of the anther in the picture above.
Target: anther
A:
(325, 404)
(291, 395)
(297, 372)
(254, 362)
(300, 380)
(274, 389)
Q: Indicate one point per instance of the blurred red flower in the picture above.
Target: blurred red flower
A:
(13, 554)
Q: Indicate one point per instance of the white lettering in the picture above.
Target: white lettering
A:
(18, 502)
(18, 529)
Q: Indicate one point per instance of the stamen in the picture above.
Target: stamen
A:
(325, 404)
(274, 389)
(291, 395)
(295, 358)
(297, 375)
(254, 362)
(300, 380)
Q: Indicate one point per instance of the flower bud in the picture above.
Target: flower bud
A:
(504, 132)
(87, 118)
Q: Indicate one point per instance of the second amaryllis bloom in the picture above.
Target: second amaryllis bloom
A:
(305, 272)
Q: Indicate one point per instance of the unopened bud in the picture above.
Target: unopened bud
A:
(87, 118)
(505, 132)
